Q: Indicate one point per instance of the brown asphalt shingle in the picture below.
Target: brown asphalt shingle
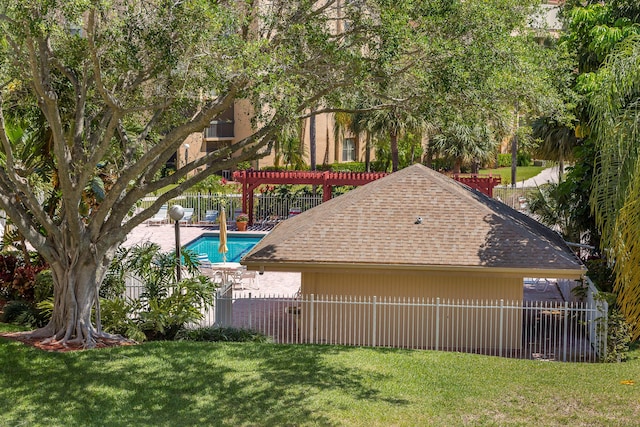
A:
(375, 224)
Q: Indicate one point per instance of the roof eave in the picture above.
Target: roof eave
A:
(299, 266)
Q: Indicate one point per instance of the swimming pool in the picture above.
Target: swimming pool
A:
(238, 246)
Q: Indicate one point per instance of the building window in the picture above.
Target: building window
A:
(349, 150)
(222, 126)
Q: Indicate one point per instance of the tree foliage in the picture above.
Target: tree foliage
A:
(616, 185)
(114, 88)
(606, 41)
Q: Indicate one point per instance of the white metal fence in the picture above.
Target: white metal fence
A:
(568, 331)
(533, 330)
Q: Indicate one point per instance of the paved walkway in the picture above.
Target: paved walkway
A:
(547, 175)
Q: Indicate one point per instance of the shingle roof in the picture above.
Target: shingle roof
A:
(375, 225)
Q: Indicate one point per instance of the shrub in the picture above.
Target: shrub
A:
(165, 306)
(601, 274)
(504, 160)
(222, 334)
(348, 167)
(43, 287)
(523, 159)
(117, 317)
(618, 337)
(20, 312)
(17, 280)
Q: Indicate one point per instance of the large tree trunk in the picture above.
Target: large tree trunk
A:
(457, 165)
(394, 151)
(428, 156)
(77, 280)
(560, 169)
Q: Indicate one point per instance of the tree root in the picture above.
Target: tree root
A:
(49, 338)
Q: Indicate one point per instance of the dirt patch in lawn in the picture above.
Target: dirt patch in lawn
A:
(47, 344)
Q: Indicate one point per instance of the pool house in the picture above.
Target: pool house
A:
(418, 238)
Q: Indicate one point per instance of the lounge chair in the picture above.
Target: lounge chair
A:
(294, 211)
(210, 217)
(203, 261)
(188, 216)
(160, 217)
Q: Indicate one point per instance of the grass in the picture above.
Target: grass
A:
(234, 384)
(522, 173)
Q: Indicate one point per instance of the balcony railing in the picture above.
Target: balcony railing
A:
(219, 130)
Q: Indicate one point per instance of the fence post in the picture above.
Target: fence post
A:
(437, 323)
(250, 309)
(501, 326)
(311, 317)
(566, 328)
(604, 318)
(374, 320)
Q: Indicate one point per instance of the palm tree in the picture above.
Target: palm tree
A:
(394, 121)
(288, 147)
(465, 143)
(312, 139)
(616, 185)
(557, 141)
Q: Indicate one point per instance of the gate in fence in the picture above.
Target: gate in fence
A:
(532, 330)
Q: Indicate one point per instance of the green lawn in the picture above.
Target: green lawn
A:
(215, 384)
(522, 173)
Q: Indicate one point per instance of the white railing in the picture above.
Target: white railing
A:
(516, 197)
(538, 330)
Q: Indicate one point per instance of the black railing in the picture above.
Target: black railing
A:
(219, 130)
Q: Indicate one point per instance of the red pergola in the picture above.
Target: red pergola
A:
(250, 180)
(482, 183)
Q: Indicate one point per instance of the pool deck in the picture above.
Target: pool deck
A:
(275, 283)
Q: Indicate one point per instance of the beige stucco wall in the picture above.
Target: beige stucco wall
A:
(408, 284)
(196, 149)
(413, 327)
(328, 149)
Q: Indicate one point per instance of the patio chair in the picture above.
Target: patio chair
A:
(188, 216)
(160, 217)
(236, 277)
(251, 277)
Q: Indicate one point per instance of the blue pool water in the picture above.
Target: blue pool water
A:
(238, 246)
